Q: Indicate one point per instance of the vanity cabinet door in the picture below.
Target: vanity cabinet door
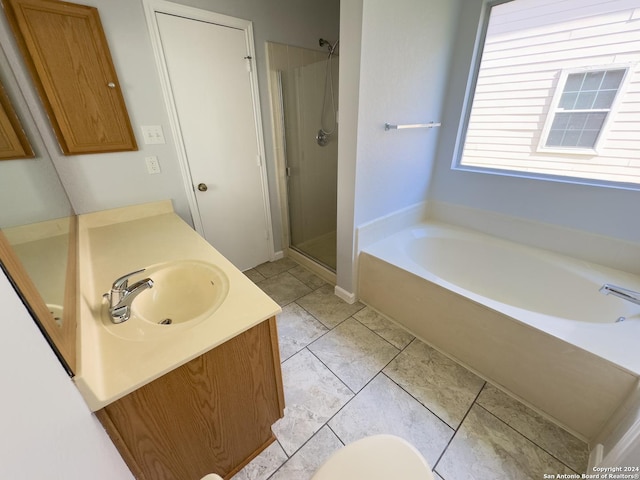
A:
(211, 415)
(66, 51)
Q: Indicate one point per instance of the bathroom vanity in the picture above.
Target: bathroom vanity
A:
(212, 414)
(191, 391)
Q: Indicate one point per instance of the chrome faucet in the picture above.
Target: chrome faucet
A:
(121, 296)
(624, 293)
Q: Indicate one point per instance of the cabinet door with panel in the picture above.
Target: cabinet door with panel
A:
(66, 50)
(211, 415)
(13, 141)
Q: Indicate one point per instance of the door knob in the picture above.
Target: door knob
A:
(202, 187)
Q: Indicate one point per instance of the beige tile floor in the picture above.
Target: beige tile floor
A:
(349, 372)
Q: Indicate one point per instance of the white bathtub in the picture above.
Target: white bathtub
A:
(526, 319)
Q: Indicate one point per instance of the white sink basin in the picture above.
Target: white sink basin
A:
(184, 293)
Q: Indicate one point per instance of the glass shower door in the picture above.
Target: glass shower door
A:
(311, 168)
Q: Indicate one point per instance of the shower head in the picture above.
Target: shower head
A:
(326, 43)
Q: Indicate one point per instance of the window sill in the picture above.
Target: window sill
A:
(547, 177)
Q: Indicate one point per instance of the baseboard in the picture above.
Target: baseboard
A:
(625, 451)
(344, 295)
(277, 255)
(595, 457)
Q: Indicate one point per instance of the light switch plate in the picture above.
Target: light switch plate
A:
(152, 134)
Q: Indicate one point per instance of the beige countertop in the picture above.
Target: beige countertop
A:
(115, 242)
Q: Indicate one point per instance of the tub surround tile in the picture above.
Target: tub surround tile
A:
(284, 288)
(254, 275)
(312, 396)
(383, 407)
(440, 384)
(307, 277)
(327, 307)
(485, 447)
(297, 328)
(392, 333)
(354, 353)
(271, 269)
(310, 457)
(264, 465)
(559, 443)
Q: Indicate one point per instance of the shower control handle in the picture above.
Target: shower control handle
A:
(203, 187)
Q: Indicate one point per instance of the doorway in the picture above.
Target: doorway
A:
(207, 64)
(304, 91)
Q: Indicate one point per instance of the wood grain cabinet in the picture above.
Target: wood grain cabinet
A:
(13, 141)
(66, 51)
(211, 415)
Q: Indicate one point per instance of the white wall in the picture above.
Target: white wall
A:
(349, 100)
(101, 181)
(405, 54)
(47, 429)
(604, 211)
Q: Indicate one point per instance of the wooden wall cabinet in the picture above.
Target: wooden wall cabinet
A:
(66, 51)
(13, 141)
(211, 415)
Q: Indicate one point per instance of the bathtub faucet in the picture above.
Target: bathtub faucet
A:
(624, 293)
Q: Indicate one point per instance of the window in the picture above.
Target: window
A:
(556, 93)
(582, 109)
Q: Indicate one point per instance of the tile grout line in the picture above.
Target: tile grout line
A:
(455, 432)
(526, 437)
(355, 394)
(419, 402)
(332, 372)
(336, 375)
(373, 331)
(289, 457)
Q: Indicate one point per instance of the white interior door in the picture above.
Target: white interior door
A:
(210, 82)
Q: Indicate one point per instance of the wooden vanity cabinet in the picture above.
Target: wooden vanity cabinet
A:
(211, 415)
(66, 50)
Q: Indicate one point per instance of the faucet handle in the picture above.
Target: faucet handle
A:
(123, 282)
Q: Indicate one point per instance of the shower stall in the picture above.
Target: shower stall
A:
(306, 88)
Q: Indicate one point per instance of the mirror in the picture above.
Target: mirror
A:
(37, 224)
(13, 142)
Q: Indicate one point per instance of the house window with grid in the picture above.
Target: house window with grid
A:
(582, 109)
(554, 93)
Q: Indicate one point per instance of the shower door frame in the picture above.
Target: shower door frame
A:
(277, 104)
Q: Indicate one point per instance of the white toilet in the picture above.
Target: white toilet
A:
(379, 457)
